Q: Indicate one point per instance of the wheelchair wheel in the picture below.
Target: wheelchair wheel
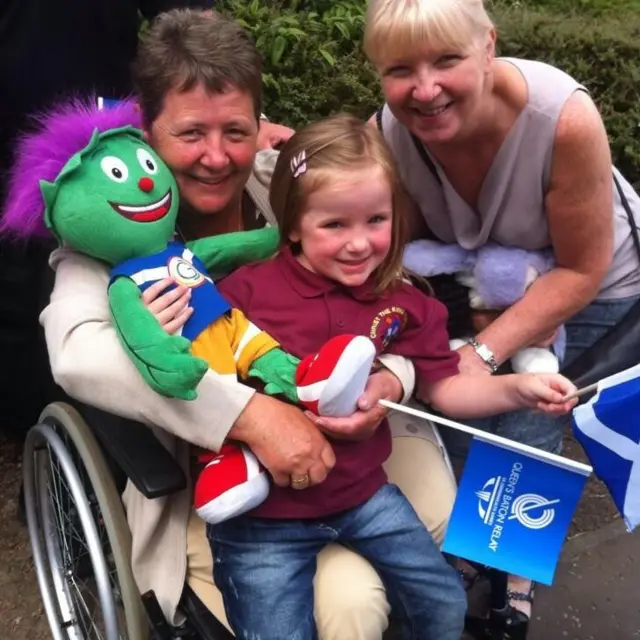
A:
(79, 536)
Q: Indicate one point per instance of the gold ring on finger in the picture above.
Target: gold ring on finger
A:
(300, 483)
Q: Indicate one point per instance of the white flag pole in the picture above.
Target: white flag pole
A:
(557, 460)
(581, 392)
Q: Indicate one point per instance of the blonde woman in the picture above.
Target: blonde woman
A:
(513, 151)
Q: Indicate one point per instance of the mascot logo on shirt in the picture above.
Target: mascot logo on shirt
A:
(388, 324)
(184, 273)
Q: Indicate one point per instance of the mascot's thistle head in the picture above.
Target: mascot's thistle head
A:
(88, 176)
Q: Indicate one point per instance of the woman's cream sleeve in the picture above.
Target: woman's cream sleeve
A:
(88, 362)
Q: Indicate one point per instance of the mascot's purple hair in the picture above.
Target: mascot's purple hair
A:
(60, 134)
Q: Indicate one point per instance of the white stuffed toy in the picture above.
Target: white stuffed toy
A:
(497, 277)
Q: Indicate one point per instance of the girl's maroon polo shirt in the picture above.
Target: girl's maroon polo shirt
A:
(302, 310)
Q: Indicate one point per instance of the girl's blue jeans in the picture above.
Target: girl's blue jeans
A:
(265, 568)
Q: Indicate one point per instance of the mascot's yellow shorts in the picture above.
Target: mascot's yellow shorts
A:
(232, 343)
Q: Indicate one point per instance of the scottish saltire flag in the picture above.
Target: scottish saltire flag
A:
(513, 507)
(608, 428)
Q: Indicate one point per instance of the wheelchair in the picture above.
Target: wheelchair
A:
(78, 532)
(73, 476)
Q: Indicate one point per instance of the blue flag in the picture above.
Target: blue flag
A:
(513, 508)
(108, 103)
(608, 428)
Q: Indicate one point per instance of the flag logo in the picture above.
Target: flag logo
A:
(514, 503)
(497, 503)
(487, 498)
(532, 502)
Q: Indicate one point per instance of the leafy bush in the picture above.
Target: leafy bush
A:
(286, 29)
(314, 66)
(604, 56)
(592, 8)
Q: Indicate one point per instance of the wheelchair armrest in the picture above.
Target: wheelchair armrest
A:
(134, 448)
(616, 351)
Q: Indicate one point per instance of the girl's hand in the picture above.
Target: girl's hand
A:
(170, 309)
(544, 392)
(382, 385)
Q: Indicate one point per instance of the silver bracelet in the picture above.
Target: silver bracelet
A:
(485, 354)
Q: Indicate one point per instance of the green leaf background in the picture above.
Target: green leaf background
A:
(314, 65)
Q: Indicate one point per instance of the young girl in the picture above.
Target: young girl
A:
(333, 194)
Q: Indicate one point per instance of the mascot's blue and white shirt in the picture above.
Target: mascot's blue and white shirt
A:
(180, 264)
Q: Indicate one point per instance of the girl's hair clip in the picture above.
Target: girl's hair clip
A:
(299, 164)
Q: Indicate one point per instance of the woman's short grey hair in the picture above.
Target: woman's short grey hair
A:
(185, 48)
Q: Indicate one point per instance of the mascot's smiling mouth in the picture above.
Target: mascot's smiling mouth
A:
(145, 213)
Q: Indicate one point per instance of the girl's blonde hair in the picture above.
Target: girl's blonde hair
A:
(330, 148)
(395, 29)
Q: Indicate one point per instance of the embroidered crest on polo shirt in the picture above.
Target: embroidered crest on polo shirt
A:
(387, 325)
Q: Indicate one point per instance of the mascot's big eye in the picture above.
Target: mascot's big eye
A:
(114, 169)
(147, 161)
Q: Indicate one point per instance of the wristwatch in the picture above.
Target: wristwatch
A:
(484, 353)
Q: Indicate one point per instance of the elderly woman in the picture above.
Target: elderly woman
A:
(198, 80)
(512, 151)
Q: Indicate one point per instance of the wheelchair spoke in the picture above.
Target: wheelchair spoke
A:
(86, 612)
(72, 570)
(55, 545)
(76, 556)
(53, 482)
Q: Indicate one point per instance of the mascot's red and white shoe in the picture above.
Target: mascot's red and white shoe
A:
(330, 382)
(232, 482)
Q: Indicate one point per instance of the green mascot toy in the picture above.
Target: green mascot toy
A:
(89, 176)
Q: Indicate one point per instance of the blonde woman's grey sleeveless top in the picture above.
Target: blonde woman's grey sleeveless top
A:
(510, 207)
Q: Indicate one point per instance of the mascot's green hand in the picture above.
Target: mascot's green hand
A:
(277, 370)
(164, 361)
(224, 253)
(168, 366)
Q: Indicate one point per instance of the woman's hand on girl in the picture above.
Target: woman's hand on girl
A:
(382, 385)
(170, 308)
(545, 392)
